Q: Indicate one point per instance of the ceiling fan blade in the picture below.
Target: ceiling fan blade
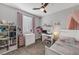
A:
(42, 3)
(45, 11)
(36, 8)
(45, 4)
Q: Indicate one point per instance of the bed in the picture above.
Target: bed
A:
(67, 44)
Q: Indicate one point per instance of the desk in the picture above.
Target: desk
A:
(49, 39)
(45, 36)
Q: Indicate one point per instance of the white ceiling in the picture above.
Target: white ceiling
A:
(51, 8)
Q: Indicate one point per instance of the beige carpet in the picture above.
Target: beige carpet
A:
(35, 49)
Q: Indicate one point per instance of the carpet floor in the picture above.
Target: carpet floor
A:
(35, 49)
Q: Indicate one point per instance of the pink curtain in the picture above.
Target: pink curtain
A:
(33, 24)
(19, 20)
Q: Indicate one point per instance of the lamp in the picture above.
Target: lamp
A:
(56, 32)
(55, 35)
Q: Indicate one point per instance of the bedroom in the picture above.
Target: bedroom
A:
(60, 17)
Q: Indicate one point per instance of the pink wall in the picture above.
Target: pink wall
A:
(74, 21)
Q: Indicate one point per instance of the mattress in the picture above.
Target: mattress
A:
(65, 48)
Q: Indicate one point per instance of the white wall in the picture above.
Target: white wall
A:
(61, 16)
(8, 14)
(37, 22)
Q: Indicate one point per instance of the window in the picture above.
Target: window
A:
(27, 24)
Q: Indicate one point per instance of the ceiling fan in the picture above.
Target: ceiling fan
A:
(42, 8)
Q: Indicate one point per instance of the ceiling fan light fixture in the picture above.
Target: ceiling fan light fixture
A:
(42, 9)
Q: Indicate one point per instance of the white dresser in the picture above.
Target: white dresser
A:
(29, 39)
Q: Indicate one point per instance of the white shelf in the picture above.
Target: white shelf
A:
(4, 24)
(7, 38)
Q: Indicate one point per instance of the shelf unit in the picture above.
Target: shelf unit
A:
(6, 41)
